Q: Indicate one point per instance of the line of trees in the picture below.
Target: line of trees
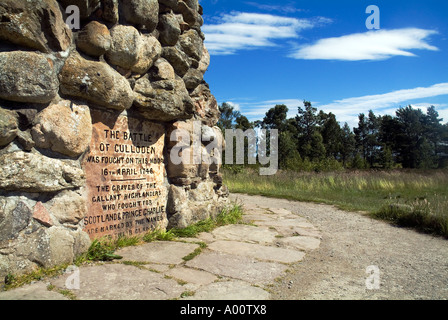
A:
(315, 140)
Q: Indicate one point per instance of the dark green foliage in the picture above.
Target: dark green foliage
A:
(102, 251)
(312, 140)
(229, 215)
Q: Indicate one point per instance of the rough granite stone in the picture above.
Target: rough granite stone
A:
(63, 127)
(94, 39)
(141, 13)
(163, 100)
(125, 46)
(34, 24)
(95, 82)
(9, 124)
(17, 83)
(30, 172)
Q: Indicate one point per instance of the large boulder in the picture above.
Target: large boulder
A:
(125, 46)
(193, 78)
(63, 245)
(171, 4)
(169, 29)
(186, 206)
(60, 246)
(162, 70)
(150, 50)
(15, 216)
(190, 15)
(30, 172)
(164, 100)
(95, 82)
(190, 129)
(29, 239)
(141, 13)
(34, 24)
(27, 77)
(94, 39)
(189, 161)
(205, 105)
(178, 59)
(68, 207)
(9, 125)
(131, 50)
(192, 44)
(204, 63)
(110, 11)
(64, 127)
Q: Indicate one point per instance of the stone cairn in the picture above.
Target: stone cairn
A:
(139, 58)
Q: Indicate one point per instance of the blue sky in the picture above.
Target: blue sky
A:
(270, 52)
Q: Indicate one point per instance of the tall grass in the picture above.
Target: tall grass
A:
(423, 193)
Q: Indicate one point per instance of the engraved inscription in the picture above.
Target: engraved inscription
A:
(125, 176)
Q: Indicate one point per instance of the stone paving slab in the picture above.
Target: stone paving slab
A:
(238, 263)
(122, 282)
(257, 251)
(288, 231)
(192, 275)
(300, 243)
(280, 212)
(256, 218)
(35, 291)
(157, 267)
(238, 267)
(285, 223)
(230, 290)
(158, 252)
(245, 233)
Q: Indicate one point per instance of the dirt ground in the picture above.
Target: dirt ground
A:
(361, 258)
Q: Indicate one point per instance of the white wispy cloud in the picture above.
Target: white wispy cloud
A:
(235, 106)
(371, 45)
(288, 8)
(242, 31)
(381, 101)
(347, 110)
(256, 110)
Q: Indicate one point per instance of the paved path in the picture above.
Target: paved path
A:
(235, 262)
(291, 250)
(405, 264)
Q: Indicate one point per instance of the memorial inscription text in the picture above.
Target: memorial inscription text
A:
(125, 177)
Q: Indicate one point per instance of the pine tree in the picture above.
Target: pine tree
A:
(306, 122)
(276, 118)
(433, 128)
(410, 135)
(348, 142)
(228, 116)
(443, 155)
(386, 159)
(361, 136)
(373, 146)
(332, 135)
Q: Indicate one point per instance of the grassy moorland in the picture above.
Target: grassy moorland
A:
(417, 199)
